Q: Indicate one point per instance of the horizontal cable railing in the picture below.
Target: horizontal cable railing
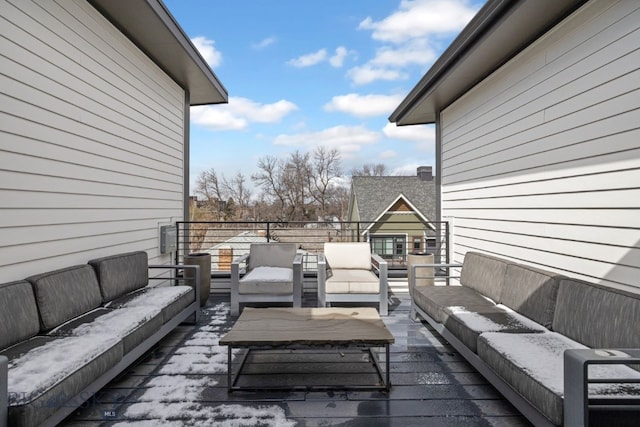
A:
(392, 240)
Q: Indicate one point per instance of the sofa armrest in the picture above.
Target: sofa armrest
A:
(4, 393)
(576, 379)
(196, 278)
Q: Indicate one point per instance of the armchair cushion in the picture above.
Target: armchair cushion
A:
(271, 255)
(352, 281)
(269, 280)
(353, 255)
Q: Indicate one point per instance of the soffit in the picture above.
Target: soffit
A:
(151, 27)
(498, 32)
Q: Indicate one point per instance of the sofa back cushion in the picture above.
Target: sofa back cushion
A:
(64, 294)
(484, 273)
(597, 316)
(348, 255)
(18, 313)
(272, 255)
(531, 292)
(120, 274)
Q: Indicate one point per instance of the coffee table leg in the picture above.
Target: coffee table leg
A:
(229, 370)
(386, 376)
(388, 372)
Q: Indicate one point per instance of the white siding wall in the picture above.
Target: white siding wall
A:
(91, 140)
(541, 161)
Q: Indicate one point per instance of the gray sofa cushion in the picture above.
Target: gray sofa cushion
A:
(133, 325)
(533, 365)
(434, 299)
(597, 316)
(484, 273)
(64, 294)
(531, 292)
(44, 370)
(467, 325)
(121, 274)
(18, 313)
(169, 299)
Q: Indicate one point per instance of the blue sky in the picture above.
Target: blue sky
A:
(303, 73)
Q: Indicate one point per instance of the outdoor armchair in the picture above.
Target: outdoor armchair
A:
(273, 274)
(345, 274)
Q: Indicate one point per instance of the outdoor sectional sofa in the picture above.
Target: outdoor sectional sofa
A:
(67, 333)
(514, 323)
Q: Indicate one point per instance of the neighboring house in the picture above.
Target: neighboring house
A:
(94, 129)
(394, 213)
(537, 112)
(223, 254)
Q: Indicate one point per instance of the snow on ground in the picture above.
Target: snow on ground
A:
(171, 397)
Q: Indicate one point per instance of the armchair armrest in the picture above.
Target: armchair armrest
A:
(196, 280)
(4, 391)
(576, 379)
(383, 274)
(322, 279)
(298, 280)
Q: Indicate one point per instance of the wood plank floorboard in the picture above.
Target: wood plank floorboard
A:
(183, 382)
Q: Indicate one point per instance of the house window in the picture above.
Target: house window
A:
(389, 247)
(417, 244)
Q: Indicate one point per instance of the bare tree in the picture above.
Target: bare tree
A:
(370, 169)
(269, 179)
(238, 191)
(338, 202)
(210, 188)
(325, 168)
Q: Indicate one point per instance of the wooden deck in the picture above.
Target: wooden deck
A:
(183, 382)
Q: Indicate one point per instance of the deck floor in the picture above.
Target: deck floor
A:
(183, 382)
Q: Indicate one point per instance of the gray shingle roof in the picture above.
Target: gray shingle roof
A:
(373, 194)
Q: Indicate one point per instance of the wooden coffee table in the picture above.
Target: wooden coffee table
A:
(309, 328)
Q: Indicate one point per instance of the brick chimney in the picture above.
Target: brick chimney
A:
(425, 173)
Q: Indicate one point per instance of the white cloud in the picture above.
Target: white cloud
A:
(338, 59)
(309, 59)
(387, 154)
(346, 139)
(217, 118)
(367, 73)
(424, 136)
(364, 105)
(264, 43)
(415, 133)
(263, 113)
(206, 47)
(415, 52)
(420, 18)
(239, 113)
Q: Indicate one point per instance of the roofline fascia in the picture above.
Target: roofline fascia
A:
(490, 13)
(384, 211)
(161, 11)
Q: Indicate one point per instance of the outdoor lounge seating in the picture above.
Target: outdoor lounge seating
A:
(525, 329)
(273, 274)
(345, 274)
(67, 333)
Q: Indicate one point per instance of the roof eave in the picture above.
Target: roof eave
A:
(151, 27)
(498, 32)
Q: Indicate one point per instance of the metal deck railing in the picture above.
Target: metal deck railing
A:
(393, 241)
